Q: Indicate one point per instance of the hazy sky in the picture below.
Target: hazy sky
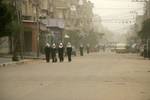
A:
(118, 15)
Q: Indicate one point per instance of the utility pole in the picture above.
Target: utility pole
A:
(148, 48)
(21, 35)
(38, 27)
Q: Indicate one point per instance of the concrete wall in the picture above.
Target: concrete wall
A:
(4, 45)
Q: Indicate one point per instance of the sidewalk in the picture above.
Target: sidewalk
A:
(6, 60)
(9, 62)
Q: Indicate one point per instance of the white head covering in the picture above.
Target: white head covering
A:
(54, 45)
(69, 44)
(47, 44)
(60, 45)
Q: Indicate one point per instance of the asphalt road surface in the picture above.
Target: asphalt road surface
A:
(91, 77)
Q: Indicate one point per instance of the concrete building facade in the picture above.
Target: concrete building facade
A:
(49, 20)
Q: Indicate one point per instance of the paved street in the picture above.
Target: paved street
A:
(91, 77)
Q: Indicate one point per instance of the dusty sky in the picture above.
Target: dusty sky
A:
(117, 14)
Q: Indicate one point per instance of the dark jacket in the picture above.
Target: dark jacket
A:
(69, 50)
(53, 51)
(47, 50)
(61, 51)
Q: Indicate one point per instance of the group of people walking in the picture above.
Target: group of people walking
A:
(82, 49)
(51, 52)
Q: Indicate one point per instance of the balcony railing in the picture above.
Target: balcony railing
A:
(54, 22)
(26, 17)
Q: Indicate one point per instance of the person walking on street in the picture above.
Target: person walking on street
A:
(53, 53)
(104, 48)
(145, 51)
(61, 52)
(81, 50)
(47, 52)
(88, 48)
(69, 51)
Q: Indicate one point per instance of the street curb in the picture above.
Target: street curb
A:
(14, 63)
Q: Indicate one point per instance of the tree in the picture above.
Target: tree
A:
(75, 37)
(7, 15)
(91, 38)
(145, 32)
(10, 25)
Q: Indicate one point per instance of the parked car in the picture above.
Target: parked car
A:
(112, 49)
(121, 48)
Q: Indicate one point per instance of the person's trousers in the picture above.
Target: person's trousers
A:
(69, 58)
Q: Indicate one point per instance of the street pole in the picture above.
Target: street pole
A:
(148, 47)
(38, 29)
(21, 31)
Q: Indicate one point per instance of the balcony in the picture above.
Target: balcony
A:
(24, 17)
(60, 4)
(54, 22)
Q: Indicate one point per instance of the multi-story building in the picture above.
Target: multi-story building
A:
(79, 16)
(72, 18)
(31, 12)
(55, 19)
(86, 16)
(79, 20)
(48, 20)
